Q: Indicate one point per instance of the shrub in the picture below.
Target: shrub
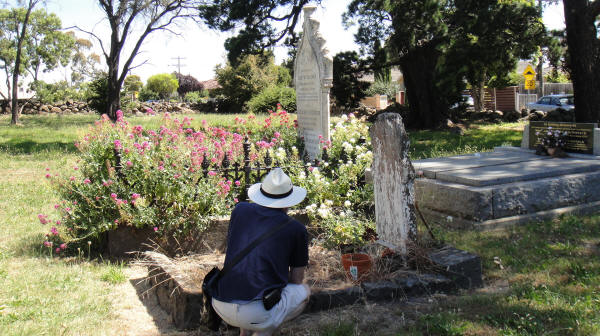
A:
(162, 84)
(154, 178)
(269, 98)
(96, 93)
(49, 93)
(383, 88)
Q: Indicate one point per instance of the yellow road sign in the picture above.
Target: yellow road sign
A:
(529, 73)
(530, 84)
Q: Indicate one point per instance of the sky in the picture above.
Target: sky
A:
(197, 49)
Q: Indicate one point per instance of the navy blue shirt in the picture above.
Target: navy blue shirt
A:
(267, 265)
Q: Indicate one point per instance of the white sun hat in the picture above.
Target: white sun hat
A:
(276, 191)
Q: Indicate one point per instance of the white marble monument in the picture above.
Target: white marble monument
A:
(313, 78)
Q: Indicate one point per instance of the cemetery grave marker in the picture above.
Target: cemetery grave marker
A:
(393, 181)
(580, 138)
(313, 78)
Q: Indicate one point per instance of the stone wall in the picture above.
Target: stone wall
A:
(72, 107)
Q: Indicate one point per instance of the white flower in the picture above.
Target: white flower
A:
(342, 214)
(344, 117)
(347, 204)
(329, 202)
(352, 140)
(449, 219)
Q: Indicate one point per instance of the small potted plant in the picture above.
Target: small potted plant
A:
(553, 141)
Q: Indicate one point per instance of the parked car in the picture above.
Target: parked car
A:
(553, 102)
(466, 102)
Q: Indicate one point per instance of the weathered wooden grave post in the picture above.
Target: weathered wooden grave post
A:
(393, 181)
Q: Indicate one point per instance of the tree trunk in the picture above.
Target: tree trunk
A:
(478, 94)
(584, 51)
(426, 101)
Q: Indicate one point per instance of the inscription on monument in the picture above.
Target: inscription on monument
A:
(580, 138)
(313, 76)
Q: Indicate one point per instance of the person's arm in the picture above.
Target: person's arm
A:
(297, 275)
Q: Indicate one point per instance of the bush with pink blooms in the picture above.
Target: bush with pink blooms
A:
(127, 175)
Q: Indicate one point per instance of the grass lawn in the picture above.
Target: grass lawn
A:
(551, 270)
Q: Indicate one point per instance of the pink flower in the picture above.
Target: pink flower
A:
(113, 195)
(48, 176)
(117, 144)
(276, 135)
(235, 199)
(87, 181)
(119, 115)
(135, 196)
(161, 168)
(129, 163)
(54, 231)
(57, 250)
(58, 222)
(155, 229)
(43, 218)
(212, 173)
(238, 183)
(75, 168)
(47, 243)
(67, 209)
(56, 206)
(63, 246)
(47, 169)
(72, 178)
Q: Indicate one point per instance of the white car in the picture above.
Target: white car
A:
(553, 102)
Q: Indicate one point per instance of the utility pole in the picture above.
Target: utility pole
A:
(178, 65)
(540, 66)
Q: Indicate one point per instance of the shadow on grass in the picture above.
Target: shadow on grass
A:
(492, 313)
(58, 122)
(18, 146)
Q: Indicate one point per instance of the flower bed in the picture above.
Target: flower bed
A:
(171, 179)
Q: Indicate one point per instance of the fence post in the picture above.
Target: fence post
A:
(247, 168)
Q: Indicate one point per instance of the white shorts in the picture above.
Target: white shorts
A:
(253, 316)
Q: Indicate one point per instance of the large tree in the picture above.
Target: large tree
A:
(260, 23)
(439, 43)
(30, 41)
(251, 75)
(581, 18)
(122, 16)
(187, 83)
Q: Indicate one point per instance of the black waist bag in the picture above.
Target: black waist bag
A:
(210, 318)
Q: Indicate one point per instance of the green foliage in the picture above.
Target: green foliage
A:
(49, 93)
(44, 47)
(347, 89)
(440, 43)
(253, 74)
(257, 26)
(147, 94)
(556, 76)
(383, 88)
(96, 93)
(270, 97)
(162, 84)
(195, 96)
(114, 274)
(132, 84)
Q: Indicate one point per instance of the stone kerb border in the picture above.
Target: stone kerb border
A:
(181, 297)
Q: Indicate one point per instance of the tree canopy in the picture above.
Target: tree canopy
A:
(439, 43)
(30, 42)
(163, 84)
(187, 83)
(123, 15)
(253, 74)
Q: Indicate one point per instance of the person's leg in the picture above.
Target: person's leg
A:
(301, 296)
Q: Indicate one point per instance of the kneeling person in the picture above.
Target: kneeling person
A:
(274, 268)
